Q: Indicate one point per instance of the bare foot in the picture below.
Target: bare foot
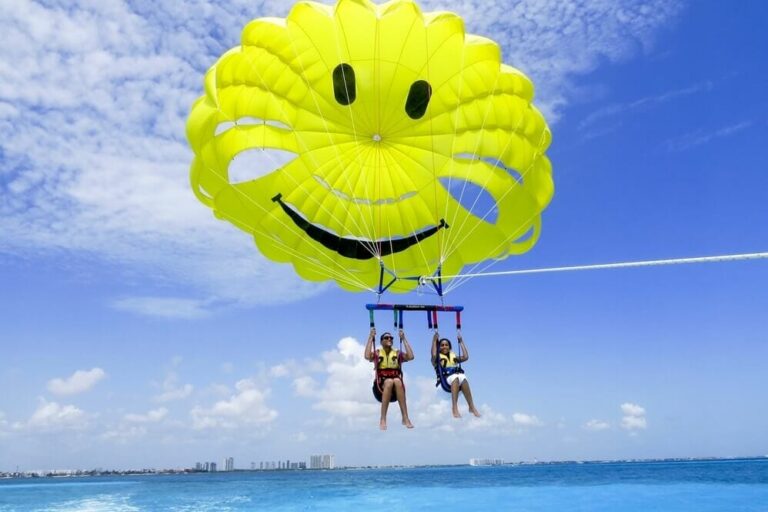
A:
(475, 412)
(383, 424)
(407, 423)
(456, 413)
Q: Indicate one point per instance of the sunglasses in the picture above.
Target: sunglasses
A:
(386, 337)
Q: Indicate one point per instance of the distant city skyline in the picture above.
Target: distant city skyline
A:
(472, 462)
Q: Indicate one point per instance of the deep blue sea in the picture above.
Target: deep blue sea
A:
(728, 486)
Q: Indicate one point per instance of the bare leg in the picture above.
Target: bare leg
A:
(455, 398)
(386, 395)
(400, 394)
(468, 395)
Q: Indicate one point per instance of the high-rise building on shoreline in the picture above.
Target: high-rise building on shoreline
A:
(321, 462)
(486, 462)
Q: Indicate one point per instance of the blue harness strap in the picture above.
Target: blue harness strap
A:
(444, 373)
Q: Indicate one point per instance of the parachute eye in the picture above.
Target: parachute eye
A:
(344, 84)
(418, 99)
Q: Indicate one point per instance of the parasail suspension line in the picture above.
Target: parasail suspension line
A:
(382, 287)
(436, 280)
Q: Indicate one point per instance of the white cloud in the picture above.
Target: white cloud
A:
(701, 136)
(625, 109)
(630, 409)
(634, 417)
(526, 420)
(345, 396)
(153, 416)
(78, 382)
(552, 41)
(94, 158)
(280, 370)
(124, 434)
(177, 393)
(93, 103)
(597, 425)
(247, 408)
(216, 389)
(51, 416)
(634, 423)
(163, 307)
(306, 386)
(172, 390)
(427, 408)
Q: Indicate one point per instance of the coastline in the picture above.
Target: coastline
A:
(63, 474)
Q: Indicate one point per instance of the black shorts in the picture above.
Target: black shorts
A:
(377, 387)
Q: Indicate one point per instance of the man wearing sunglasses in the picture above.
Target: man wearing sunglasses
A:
(388, 384)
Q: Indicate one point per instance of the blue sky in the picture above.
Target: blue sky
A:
(139, 331)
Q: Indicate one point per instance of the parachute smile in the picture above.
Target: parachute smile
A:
(363, 200)
(352, 247)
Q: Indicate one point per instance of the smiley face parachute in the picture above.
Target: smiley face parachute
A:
(411, 149)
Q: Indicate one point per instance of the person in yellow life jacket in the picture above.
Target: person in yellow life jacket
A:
(389, 375)
(443, 355)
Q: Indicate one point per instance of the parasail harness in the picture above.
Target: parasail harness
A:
(443, 372)
(382, 374)
(390, 373)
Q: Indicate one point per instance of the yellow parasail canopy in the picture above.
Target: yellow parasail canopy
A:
(410, 146)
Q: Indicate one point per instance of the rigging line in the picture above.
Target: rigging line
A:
(522, 183)
(401, 125)
(394, 148)
(523, 174)
(391, 147)
(453, 139)
(299, 139)
(350, 277)
(488, 178)
(370, 247)
(339, 277)
(371, 228)
(627, 264)
(376, 213)
(385, 121)
(485, 264)
(499, 158)
(441, 236)
(410, 220)
(326, 269)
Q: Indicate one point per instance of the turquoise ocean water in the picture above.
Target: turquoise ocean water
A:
(732, 486)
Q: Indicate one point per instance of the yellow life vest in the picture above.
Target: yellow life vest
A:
(448, 361)
(389, 361)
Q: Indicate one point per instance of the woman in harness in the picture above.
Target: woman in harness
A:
(389, 373)
(449, 371)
